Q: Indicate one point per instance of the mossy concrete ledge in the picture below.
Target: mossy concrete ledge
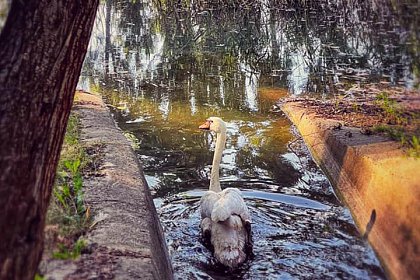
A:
(377, 180)
(126, 240)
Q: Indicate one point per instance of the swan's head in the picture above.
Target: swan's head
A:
(214, 124)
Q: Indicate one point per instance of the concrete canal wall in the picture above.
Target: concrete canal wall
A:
(126, 240)
(377, 180)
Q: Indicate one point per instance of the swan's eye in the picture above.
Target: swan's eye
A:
(210, 121)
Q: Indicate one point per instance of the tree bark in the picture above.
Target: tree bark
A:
(42, 48)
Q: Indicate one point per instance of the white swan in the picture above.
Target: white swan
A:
(225, 217)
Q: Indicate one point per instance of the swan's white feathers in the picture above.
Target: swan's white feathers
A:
(207, 203)
(230, 203)
(225, 216)
(206, 225)
(229, 239)
(235, 222)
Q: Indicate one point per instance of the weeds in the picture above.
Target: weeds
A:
(393, 112)
(395, 133)
(67, 208)
(38, 277)
(72, 150)
(414, 150)
(135, 143)
(65, 253)
(399, 134)
(69, 192)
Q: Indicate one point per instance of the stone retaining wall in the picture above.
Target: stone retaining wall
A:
(377, 180)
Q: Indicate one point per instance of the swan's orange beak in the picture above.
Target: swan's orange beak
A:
(205, 125)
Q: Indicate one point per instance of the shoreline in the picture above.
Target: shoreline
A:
(379, 183)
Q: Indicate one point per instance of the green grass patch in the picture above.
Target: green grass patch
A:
(39, 277)
(399, 122)
(393, 112)
(414, 150)
(397, 133)
(135, 143)
(65, 253)
(67, 208)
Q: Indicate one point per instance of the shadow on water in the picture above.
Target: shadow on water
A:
(165, 66)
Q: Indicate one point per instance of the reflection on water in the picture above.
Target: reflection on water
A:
(4, 11)
(305, 46)
(165, 66)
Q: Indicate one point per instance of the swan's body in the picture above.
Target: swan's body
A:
(225, 217)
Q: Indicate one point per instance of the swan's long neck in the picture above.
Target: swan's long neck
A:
(214, 177)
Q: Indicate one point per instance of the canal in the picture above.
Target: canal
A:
(163, 67)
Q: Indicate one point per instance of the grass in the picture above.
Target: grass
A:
(395, 133)
(38, 277)
(135, 143)
(393, 112)
(399, 134)
(67, 208)
(414, 150)
(65, 253)
(396, 118)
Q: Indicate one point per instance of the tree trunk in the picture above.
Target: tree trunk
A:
(42, 47)
(108, 48)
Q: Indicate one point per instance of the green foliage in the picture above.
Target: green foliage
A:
(67, 208)
(395, 115)
(391, 109)
(395, 133)
(65, 253)
(135, 143)
(414, 151)
(399, 134)
(70, 193)
(38, 277)
(72, 132)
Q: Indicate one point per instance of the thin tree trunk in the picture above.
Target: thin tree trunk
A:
(42, 47)
(107, 36)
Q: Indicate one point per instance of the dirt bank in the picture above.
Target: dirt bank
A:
(125, 240)
(377, 179)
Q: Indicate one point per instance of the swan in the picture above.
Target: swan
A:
(226, 221)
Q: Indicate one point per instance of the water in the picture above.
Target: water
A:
(165, 67)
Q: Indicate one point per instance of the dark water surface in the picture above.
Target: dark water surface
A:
(164, 67)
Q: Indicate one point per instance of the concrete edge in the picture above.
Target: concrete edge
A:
(126, 240)
(378, 182)
(123, 167)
